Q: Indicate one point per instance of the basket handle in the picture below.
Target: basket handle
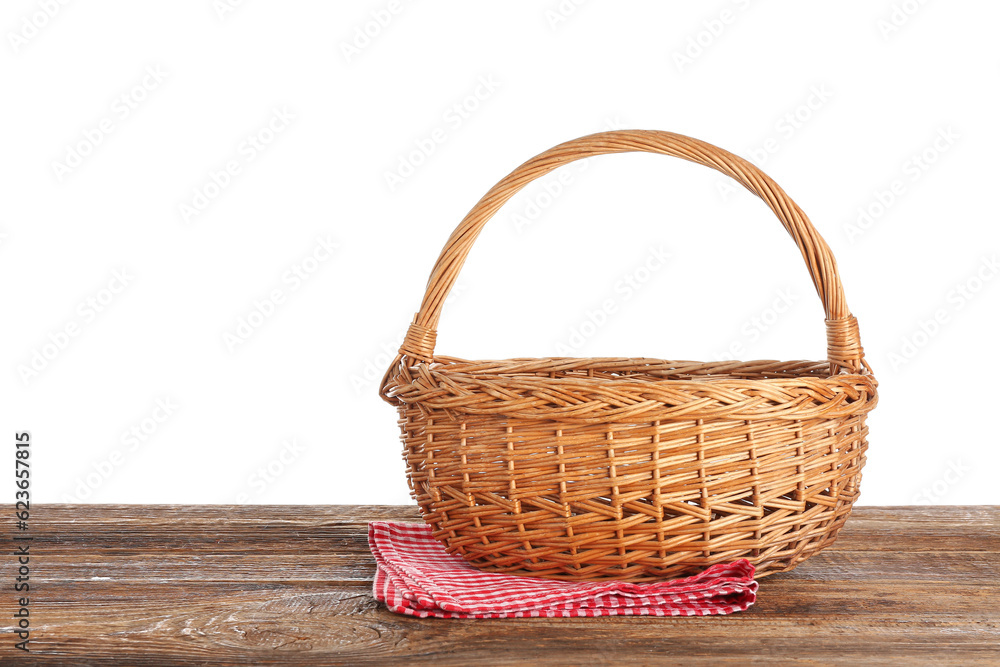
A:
(843, 342)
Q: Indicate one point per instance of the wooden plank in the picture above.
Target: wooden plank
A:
(858, 566)
(210, 529)
(278, 624)
(285, 585)
(921, 529)
(322, 528)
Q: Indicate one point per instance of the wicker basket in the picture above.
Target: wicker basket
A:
(633, 469)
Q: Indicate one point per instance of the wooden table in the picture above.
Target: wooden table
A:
(288, 585)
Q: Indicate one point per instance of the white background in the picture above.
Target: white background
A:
(841, 105)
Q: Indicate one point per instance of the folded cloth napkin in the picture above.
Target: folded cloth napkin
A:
(417, 577)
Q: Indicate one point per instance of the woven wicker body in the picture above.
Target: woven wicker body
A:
(633, 469)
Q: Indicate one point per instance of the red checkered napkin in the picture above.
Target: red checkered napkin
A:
(416, 576)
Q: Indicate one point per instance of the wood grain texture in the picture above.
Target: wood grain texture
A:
(288, 585)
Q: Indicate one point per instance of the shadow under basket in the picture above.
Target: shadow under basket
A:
(631, 468)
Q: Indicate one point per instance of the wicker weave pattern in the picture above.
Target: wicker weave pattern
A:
(633, 468)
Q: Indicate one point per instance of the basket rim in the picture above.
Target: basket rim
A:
(528, 391)
(697, 371)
